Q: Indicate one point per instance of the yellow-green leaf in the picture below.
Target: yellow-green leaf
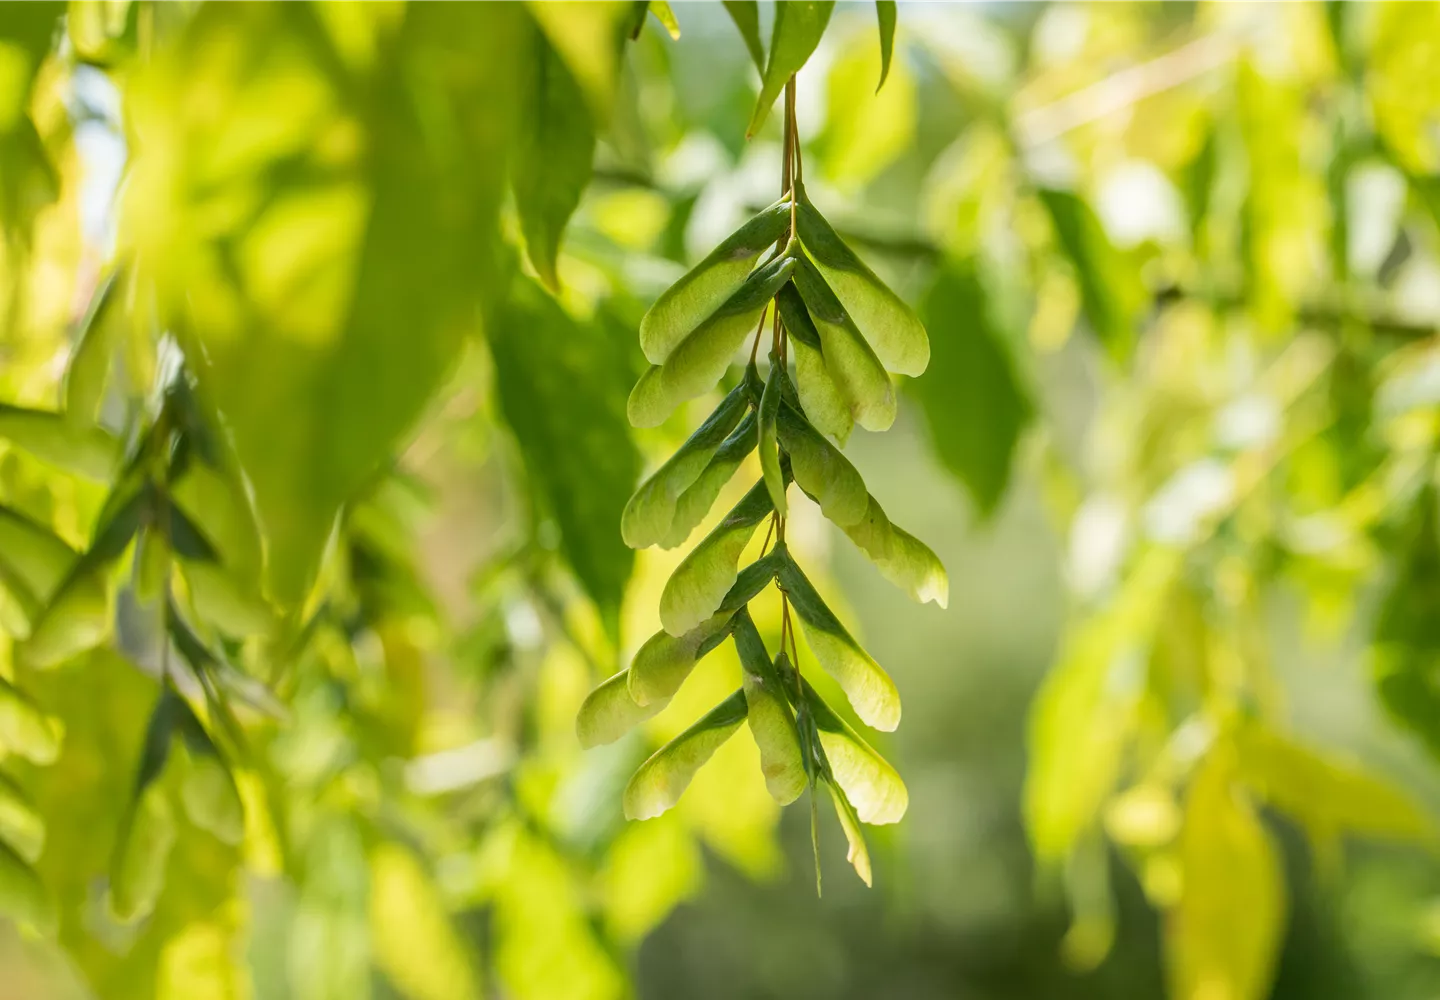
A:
(871, 785)
(902, 558)
(821, 399)
(663, 778)
(701, 581)
(772, 723)
(856, 853)
(767, 417)
(84, 449)
(23, 897)
(700, 496)
(25, 730)
(798, 27)
(821, 471)
(664, 661)
(415, 942)
(851, 363)
(137, 875)
(21, 826)
(746, 15)
(609, 712)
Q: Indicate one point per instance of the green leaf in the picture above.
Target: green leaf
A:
(589, 36)
(772, 723)
(885, 14)
(416, 944)
(664, 661)
(902, 558)
(699, 584)
(609, 712)
(798, 27)
(751, 580)
(696, 501)
(973, 401)
(659, 782)
(699, 361)
(857, 853)
(824, 405)
(821, 471)
(82, 449)
(666, 17)
(562, 392)
(22, 895)
(33, 554)
(553, 155)
(766, 417)
(888, 325)
(650, 512)
(230, 605)
(852, 365)
(1224, 935)
(1110, 291)
(870, 783)
(25, 730)
(137, 875)
(209, 792)
(746, 15)
(21, 827)
(90, 358)
(1406, 639)
(871, 691)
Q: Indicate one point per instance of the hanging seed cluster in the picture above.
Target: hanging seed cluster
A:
(836, 332)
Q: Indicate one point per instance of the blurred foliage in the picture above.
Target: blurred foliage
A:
(317, 322)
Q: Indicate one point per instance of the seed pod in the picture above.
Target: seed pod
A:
(768, 415)
(821, 471)
(852, 365)
(661, 780)
(699, 584)
(609, 712)
(820, 398)
(696, 501)
(902, 558)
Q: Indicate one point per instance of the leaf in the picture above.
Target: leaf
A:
(902, 558)
(659, 782)
(696, 501)
(766, 417)
(857, 853)
(562, 392)
(22, 895)
(32, 554)
(357, 217)
(661, 665)
(25, 730)
(751, 580)
(885, 14)
(871, 691)
(798, 27)
(666, 17)
(650, 511)
(709, 284)
(772, 723)
(589, 36)
(553, 155)
(21, 827)
(209, 792)
(416, 943)
(82, 449)
(877, 129)
(1223, 937)
(1406, 638)
(699, 361)
(609, 712)
(888, 325)
(700, 582)
(851, 363)
(1110, 293)
(821, 471)
(824, 405)
(746, 15)
(137, 875)
(870, 783)
(973, 401)
(90, 358)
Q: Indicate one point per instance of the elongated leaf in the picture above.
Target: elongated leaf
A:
(885, 14)
(1109, 290)
(225, 602)
(20, 824)
(902, 558)
(23, 897)
(562, 392)
(766, 418)
(664, 661)
(666, 16)
(746, 15)
(209, 792)
(589, 36)
(848, 358)
(871, 785)
(1407, 626)
(83, 449)
(33, 553)
(609, 712)
(871, 691)
(821, 471)
(697, 500)
(1224, 935)
(798, 27)
(89, 363)
(25, 730)
(888, 325)
(824, 405)
(857, 853)
(552, 157)
(414, 939)
(651, 510)
(699, 584)
(973, 399)
(699, 361)
(709, 284)
(663, 778)
(137, 875)
(772, 722)
(751, 580)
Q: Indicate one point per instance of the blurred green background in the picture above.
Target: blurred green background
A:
(1180, 267)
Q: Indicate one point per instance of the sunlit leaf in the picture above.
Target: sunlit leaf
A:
(84, 449)
(767, 417)
(650, 511)
(1407, 626)
(888, 325)
(22, 895)
(852, 364)
(868, 129)
(33, 554)
(798, 27)
(902, 558)
(90, 358)
(25, 730)
(822, 471)
(871, 785)
(824, 405)
(416, 945)
(700, 496)
(663, 778)
(609, 712)
(772, 723)
(21, 826)
(1109, 290)
(856, 852)
(746, 15)
(973, 399)
(666, 16)
(138, 875)
(661, 665)
(209, 792)
(589, 36)
(885, 14)
(871, 691)
(700, 582)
